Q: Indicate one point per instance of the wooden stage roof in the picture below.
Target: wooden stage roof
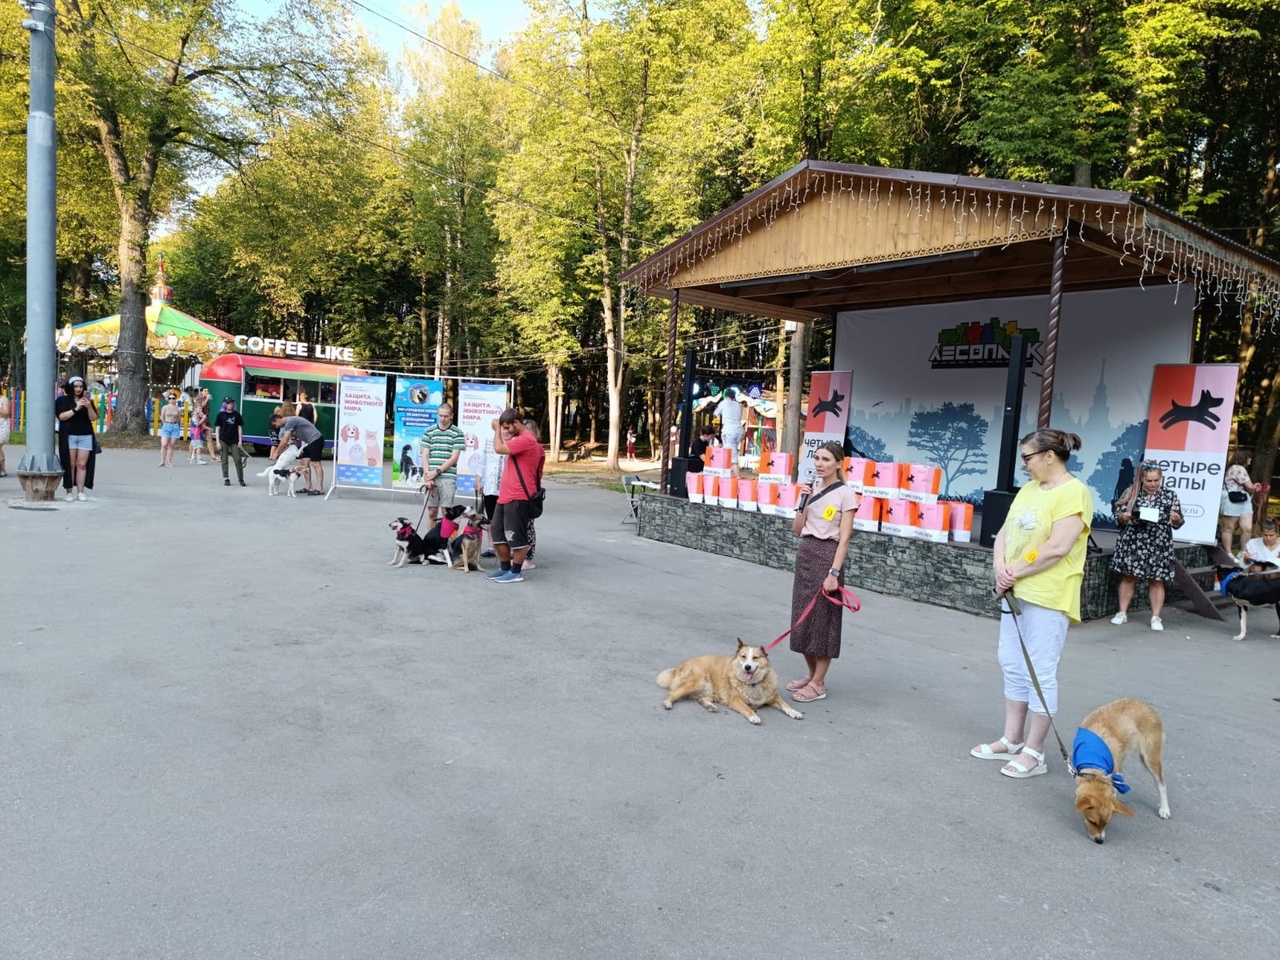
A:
(827, 237)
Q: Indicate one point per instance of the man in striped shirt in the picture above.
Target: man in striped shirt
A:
(440, 448)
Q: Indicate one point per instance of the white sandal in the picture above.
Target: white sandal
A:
(1019, 772)
(983, 751)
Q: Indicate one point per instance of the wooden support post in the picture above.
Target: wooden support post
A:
(1051, 340)
(669, 392)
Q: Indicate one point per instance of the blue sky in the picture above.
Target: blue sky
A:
(498, 20)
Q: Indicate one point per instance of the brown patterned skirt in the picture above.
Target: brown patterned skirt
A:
(819, 634)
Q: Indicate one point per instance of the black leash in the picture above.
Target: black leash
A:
(1012, 602)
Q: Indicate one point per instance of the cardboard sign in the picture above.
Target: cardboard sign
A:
(867, 516)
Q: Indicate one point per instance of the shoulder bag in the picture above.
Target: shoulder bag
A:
(537, 498)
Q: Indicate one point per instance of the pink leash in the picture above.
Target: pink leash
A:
(843, 597)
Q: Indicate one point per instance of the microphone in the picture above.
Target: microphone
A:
(804, 498)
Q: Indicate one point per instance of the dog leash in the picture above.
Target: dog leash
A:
(1012, 602)
(843, 597)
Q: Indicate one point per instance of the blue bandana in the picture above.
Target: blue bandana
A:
(1089, 752)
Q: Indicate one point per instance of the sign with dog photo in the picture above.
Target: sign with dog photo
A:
(479, 404)
(417, 401)
(1188, 433)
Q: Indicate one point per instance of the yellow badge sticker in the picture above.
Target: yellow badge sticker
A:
(829, 513)
(1031, 557)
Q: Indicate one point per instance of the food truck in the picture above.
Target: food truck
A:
(260, 384)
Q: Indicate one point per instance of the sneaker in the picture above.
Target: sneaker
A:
(488, 554)
(243, 484)
(495, 573)
(1157, 623)
(528, 565)
(509, 576)
(198, 460)
(83, 497)
(71, 498)
(1120, 618)
(226, 481)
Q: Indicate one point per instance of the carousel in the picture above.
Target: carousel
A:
(176, 341)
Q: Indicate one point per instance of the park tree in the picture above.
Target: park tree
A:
(452, 163)
(954, 437)
(176, 90)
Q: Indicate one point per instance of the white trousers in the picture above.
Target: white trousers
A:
(1045, 632)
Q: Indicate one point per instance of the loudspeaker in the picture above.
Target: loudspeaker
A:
(677, 483)
(995, 508)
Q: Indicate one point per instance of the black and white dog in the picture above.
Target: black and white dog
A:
(412, 547)
(284, 470)
(1249, 591)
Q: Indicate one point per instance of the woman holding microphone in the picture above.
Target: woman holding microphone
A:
(824, 523)
(1148, 514)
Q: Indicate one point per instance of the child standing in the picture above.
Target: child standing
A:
(199, 420)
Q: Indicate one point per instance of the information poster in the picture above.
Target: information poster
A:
(362, 413)
(828, 416)
(479, 404)
(1188, 433)
(417, 400)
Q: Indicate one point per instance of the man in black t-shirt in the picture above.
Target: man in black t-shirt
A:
(228, 432)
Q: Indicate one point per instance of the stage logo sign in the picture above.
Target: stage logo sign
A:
(417, 400)
(974, 346)
(362, 412)
(828, 415)
(1188, 433)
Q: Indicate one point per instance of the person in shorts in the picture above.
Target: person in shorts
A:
(510, 528)
(441, 447)
(312, 440)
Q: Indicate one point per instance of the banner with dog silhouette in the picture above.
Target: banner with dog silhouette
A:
(828, 415)
(1188, 433)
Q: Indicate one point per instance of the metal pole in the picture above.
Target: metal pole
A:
(42, 294)
(669, 392)
(1051, 340)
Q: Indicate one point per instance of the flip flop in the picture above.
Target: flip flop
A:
(799, 696)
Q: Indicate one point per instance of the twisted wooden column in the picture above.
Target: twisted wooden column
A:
(669, 393)
(1051, 339)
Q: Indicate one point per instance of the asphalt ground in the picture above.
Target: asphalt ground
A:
(229, 730)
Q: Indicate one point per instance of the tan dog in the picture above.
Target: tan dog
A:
(464, 546)
(741, 682)
(1122, 726)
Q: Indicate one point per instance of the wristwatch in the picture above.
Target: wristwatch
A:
(834, 572)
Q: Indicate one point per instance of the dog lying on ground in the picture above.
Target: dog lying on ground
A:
(742, 682)
(285, 469)
(464, 545)
(1249, 591)
(1105, 737)
(430, 547)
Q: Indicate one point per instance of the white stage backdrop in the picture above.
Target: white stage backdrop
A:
(929, 381)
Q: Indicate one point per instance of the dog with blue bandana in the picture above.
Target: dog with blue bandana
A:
(1104, 739)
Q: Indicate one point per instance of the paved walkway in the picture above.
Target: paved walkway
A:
(228, 730)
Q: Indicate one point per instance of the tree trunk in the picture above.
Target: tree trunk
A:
(131, 354)
(790, 435)
(424, 321)
(555, 409)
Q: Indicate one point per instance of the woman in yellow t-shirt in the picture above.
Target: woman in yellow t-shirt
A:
(1039, 556)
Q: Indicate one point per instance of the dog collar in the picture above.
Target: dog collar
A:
(1222, 587)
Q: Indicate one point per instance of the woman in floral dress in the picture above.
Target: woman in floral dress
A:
(1148, 514)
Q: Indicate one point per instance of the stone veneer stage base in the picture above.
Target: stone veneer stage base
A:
(956, 575)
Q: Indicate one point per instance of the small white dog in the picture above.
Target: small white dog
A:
(285, 468)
